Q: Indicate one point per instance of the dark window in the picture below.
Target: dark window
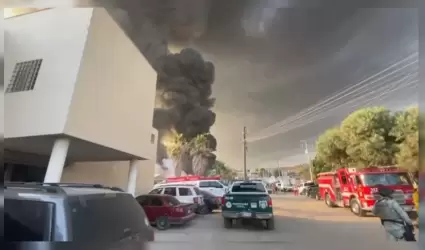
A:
(24, 76)
(358, 180)
(170, 191)
(28, 220)
(156, 202)
(185, 192)
(386, 179)
(215, 184)
(101, 218)
(171, 201)
(143, 200)
(156, 191)
(248, 187)
(204, 184)
(344, 179)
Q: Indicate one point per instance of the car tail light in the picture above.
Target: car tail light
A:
(223, 200)
(269, 202)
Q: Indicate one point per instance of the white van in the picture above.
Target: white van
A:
(215, 187)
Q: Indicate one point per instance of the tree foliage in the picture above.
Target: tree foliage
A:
(406, 132)
(221, 169)
(331, 148)
(192, 157)
(370, 136)
(320, 166)
(367, 133)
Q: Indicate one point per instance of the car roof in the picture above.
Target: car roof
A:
(23, 189)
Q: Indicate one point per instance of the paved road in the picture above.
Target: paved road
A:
(301, 224)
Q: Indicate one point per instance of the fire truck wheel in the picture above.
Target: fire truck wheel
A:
(328, 201)
(356, 208)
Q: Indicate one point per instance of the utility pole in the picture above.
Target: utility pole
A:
(245, 148)
(305, 146)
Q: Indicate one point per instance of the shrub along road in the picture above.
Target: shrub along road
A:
(301, 223)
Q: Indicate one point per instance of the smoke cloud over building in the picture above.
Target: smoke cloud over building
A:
(183, 100)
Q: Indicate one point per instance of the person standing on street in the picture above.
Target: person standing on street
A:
(397, 224)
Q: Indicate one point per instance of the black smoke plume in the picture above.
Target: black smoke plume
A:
(183, 96)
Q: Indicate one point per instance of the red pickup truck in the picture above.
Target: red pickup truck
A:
(165, 210)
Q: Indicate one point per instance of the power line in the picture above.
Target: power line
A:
(317, 111)
(353, 89)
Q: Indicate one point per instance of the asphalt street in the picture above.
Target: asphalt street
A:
(301, 223)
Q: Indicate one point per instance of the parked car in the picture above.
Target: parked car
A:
(302, 187)
(247, 200)
(186, 194)
(74, 212)
(211, 202)
(165, 210)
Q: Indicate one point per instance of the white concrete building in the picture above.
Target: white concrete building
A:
(78, 94)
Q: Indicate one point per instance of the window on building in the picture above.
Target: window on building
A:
(24, 76)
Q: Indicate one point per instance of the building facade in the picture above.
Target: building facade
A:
(79, 100)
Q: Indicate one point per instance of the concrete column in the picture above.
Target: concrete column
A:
(132, 177)
(57, 160)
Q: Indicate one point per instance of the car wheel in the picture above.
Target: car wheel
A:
(162, 223)
(204, 210)
(328, 201)
(318, 197)
(269, 224)
(356, 208)
(227, 223)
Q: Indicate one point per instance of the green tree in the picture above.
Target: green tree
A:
(331, 148)
(220, 168)
(201, 154)
(177, 150)
(406, 132)
(320, 166)
(368, 132)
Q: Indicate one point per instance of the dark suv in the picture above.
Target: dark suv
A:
(74, 212)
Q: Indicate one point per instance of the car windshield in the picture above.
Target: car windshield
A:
(248, 187)
(172, 201)
(386, 179)
(27, 220)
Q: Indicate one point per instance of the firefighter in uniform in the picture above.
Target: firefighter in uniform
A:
(397, 224)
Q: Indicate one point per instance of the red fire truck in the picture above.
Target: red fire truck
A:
(357, 189)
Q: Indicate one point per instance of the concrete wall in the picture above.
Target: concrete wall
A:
(57, 36)
(111, 174)
(114, 97)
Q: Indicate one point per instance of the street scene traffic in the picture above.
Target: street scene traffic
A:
(300, 223)
(188, 124)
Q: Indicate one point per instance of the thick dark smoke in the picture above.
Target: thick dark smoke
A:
(183, 98)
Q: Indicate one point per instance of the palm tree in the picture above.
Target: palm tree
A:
(201, 154)
(177, 150)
